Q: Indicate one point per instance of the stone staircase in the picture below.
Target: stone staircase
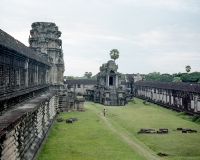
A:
(113, 97)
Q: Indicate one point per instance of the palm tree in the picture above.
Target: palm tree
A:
(114, 54)
(188, 68)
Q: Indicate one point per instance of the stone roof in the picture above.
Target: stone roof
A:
(12, 44)
(81, 81)
(189, 87)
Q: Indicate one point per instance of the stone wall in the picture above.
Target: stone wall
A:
(68, 101)
(82, 88)
(30, 78)
(23, 129)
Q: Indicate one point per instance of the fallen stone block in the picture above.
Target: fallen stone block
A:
(184, 131)
(179, 129)
(60, 120)
(159, 132)
(162, 154)
(192, 131)
(69, 120)
(74, 119)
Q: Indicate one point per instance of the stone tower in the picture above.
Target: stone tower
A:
(108, 90)
(44, 39)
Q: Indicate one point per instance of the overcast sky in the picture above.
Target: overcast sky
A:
(151, 35)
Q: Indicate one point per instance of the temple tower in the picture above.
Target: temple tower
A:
(44, 39)
(108, 75)
(108, 90)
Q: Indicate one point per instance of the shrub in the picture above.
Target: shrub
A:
(195, 118)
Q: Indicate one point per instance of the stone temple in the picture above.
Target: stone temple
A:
(108, 90)
(32, 91)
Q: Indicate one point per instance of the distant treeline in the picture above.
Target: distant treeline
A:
(177, 77)
(83, 77)
(193, 77)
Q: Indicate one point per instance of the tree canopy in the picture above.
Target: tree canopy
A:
(69, 77)
(188, 68)
(114, 54)
(177, 79)
(193, 77)
(88, 74)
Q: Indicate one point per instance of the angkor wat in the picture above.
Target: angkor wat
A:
(32, 90)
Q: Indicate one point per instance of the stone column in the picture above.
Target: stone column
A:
(82, 86)
(26, 73)
(195, 103)
(108, 80)
(116, 81)
(47, 76)
(36, 76)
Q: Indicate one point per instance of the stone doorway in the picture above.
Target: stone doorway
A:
(110, 81)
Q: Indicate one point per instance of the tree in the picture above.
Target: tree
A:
(88, 74)
(188, 68)
(69, 77)
(122, 76)
(154, 76)
(114, 54)
(177, 79)
(191, 77)
(94, 77)
(166, 77)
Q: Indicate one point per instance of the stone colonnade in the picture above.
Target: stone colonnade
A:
(180, 100)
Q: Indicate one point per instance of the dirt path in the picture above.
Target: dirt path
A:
(125, 137)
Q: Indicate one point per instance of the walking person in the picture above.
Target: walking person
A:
(104, 112)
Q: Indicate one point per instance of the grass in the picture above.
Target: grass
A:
(91, 138)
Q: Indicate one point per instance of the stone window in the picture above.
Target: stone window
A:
(78, 86)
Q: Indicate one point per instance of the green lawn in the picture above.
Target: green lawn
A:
(96, 137)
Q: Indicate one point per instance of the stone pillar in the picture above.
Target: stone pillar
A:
(36, 75)
(82, 87)
(116, 81)
(47, 76)
(108, 80)
(26, 73)
(195, 103)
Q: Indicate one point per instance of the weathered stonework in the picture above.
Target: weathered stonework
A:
(44, 39)
(80, 85)
(29, 85)
(68, 101)
(23, 129)
(108, 90)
